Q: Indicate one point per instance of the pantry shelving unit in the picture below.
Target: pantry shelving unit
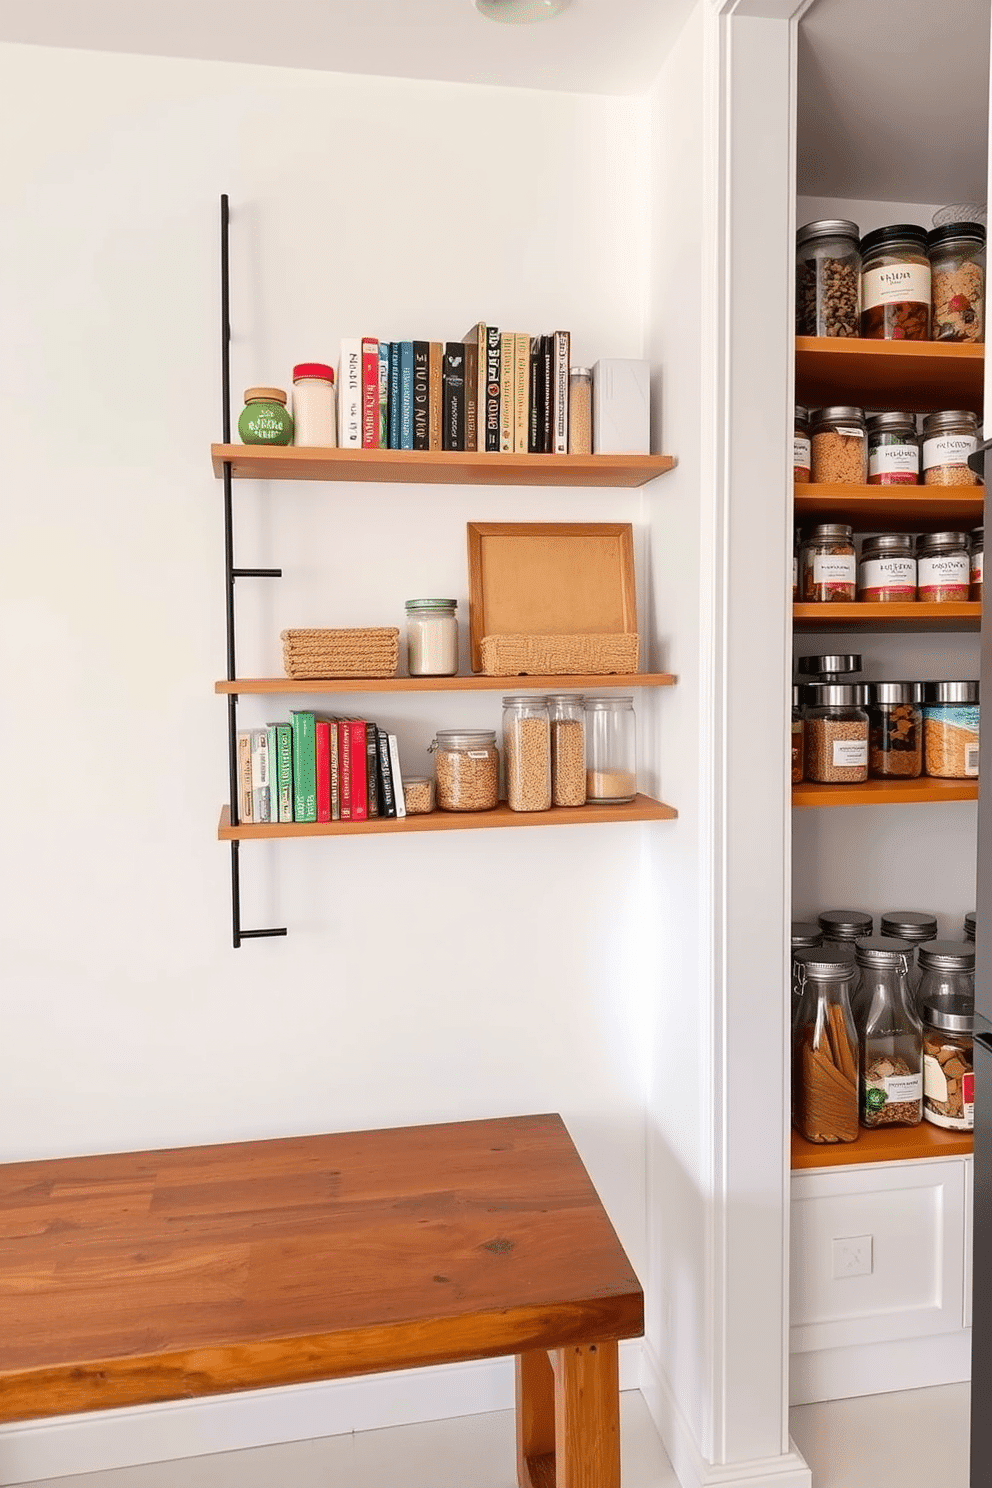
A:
(966, 615)
(642, 808)
(915, 375)
(885, 792)
(882, 1144)
(873, 508)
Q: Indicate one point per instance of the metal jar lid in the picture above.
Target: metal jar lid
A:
(828, 227)
(950, 1014)
(831, 532)
(802, 414)
(970, 921)
(415, 606)
(900, 234)
(909, 924)
(941, 542)
(888, 544)
(805, 935)
(884, 952)
(947, 955)
(977, 536)
(837, 694)
(840, 413)
(972, 232)
(895, 692)
(834, 665)
(848, 924)
(465, 738)
(950, 420)
(827, 963)
(892, 423)
(950, 692)
(797, 696)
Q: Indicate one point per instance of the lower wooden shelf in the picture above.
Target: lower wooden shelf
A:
(859, 614)
(885, 792)
(642, 808)
(329, 686)
(882, 1144)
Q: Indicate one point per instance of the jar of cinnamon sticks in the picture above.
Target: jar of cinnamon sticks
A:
(825, 1046)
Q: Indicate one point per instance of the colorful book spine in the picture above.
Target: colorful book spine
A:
(394, 395)
(453, 430)
(261, 791)
(387, 796)
(471, 395)
(304, 767)
(383, 394)
(521, 388)
(335, 771)
(350, 394)
(507, 349)
(344, 765)
(359, 758)
(370, 393)
(397, 774)
(421, 395)
(494, 344)
(372, 768)
(547, 394)
(322, 733)
(562, 341)
(534, 397)
(282, 772)
(406, 395)
(435, 394)
(245, 813)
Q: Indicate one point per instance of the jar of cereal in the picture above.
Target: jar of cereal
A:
(957, 268)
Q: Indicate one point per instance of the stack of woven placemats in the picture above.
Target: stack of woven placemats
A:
(372, 651)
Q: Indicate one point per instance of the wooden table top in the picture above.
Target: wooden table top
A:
(161, 1275)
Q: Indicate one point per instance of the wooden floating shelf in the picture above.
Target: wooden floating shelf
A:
(885, 792)
(879, 508)
(888, 617)
(882, 1144)
(330, 686)
(642, 808)
(447, 468)
(882, 375)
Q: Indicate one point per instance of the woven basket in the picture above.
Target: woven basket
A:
(372, 651)
(558, 655)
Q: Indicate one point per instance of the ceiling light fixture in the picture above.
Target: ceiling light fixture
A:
(520, 12)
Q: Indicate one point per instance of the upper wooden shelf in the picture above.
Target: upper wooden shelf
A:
(885, 375)
(332, 685)
(881, 508)
(882, 1144)
(888, 617)
(642, 808)
(422, 467)
(885, 792)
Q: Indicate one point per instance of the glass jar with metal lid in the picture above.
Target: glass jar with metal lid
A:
(466, 769)
(800, 446)
(845, 926)
(890, 1035)
(873, 954)
(969, 925)
(798, 746)
(527, 752)
(805, 936)
(913, 926)
(947, 970)
(829, 569)
(836, 733)
(830, 667)
(838, 446)
(611, 750)
(887, 570)
(825, 1046)
(949, 437)
(893, 450)
(828, 278)
(949, 1063)
(432, 637)
(895, 284)
(943, 567)
(957, 270)
(950, 729)
(976, 555)
(568, 749)
(895, 730)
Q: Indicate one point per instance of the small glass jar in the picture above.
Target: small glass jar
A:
(836, 733)
(838, 446)
(969, 925)
(895, 284)
(895, 733)
(830, 667)
(611, 750)
(527, 753)
(949, 437)
(568, 749)
(949, 1063)
(825, 1047)
(976, 555)
(947, 971)
(943, 567)
(950, 730)
(887, 571)
(893, 450)
(805, 937)
(798, 738)
(844, 926)
(914, 927)
(828, 279)
(418, 794)
(466, 769)
(314, 405)
(890, 1036)
(580, 411)
(829, 568)
(957, 269)
(801, 447)
(265, 418)
(432, 637)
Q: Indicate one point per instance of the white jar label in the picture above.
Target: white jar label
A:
(899, 1088)
(901, 460)
(892, 574)
(894, 284)
(849, 433)
(800, 452)
(948, 449)
(835, 568)
(943, 571)
(850, 753)
(971, 759)
(934, 1080)
(976, 567)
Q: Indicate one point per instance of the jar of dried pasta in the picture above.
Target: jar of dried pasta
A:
(800, 446)
(466, 769)
(895, 284)
(957, 270)
(838, 447)
(836, 733)
(949, 1063)
(829, 570)
(976, 555)
(895, 733)
(527, 753)
(950, 730)
(893, 450)
(825, 1046)
(949, 437)
(943, 567)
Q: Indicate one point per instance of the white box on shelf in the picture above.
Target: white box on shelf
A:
(621, 406)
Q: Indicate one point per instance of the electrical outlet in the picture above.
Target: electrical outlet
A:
(852, 1257)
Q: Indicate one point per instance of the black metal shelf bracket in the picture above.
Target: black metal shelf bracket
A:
(231, 574)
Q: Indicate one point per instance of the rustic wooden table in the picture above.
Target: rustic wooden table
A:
(163, 1275)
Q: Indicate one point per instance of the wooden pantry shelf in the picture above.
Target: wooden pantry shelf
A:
(330, 686)
(885, 792)
(881, 508)
(915, 375)
(888, 617)
(447, 468)
(642, 808)
(882, 1144)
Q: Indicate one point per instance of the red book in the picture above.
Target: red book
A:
(323, 736)
(359, 778)
(370, 394)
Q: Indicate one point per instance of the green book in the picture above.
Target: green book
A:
(281, 770)
(304, 767)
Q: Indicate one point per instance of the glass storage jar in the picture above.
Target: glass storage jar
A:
(805, 935)
(914, 927)
(432, 637)
(947, 971)
(845, 926)
(830, 667)
(943, 567)
(895, 284)
(895, 730)
(527, 753)
(890, 1036)
(611, 750)
(838, 446)
(418, 795)
(887, 570)
(466, 769)
(957, 270)
(265, 418)
(825, 1047)
(314, 405)
(976, 555)
(568, 749)
(800, 446)
(949, 437)
(949, 1063)
(836, 733)
(579, 411)
(893, 450)
(870, 953)
(950, 729)
(798, 751)
(969, 925)
(828, 278)
(829, 567)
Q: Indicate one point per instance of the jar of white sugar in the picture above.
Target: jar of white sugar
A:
(432, 637)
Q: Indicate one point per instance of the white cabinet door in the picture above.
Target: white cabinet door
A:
(969, 1215)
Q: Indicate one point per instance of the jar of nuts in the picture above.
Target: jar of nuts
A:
(895, 730)
(943, 567)
(838, 446)
(887, 571)
(568, 749)
(466, 768)
(949, 1063)
(949, 437)
(895, 284)
(611, 750)
(527, 753)
(893, 450)
(836, 733)
(957, 267)
(828, 279)
(829, 571)
(950, 729)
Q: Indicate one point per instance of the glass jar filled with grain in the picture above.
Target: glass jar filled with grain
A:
(947, 971)
(943, 567)
(976, 554)
(800, 447)
(838, 446)
(893, 450)
(895, 732)
(957, 270)
(895, 284)
(798, 737)
(949, 437)
(887, 570)
(829, 569)
(825, 1046)
(611, 750)
(844, 926)
(950, 730)
(949, 1063)
(890, 1036)
(580, 411)
(568, 749)
(828, 278)
(527, 753)
(466, 769)
(836, 733)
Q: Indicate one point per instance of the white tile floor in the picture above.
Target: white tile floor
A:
(911, 1440)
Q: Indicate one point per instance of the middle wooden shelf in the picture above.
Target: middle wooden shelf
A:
(328, 686)
(881, 508)
(897, 616)
(917, 792)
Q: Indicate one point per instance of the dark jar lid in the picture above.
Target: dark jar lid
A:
(950, 1014)
(827, 963)
(883, 952)
(947, 955)
(970, 232)
(847, 924)
(895, 692)
(805, 935)
(828, 227)
(802, 414)
(950, 692)
(909, 924)
(900, 234)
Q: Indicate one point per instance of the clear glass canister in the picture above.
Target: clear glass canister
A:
(611, 750)
(829, 568)
(314, 405)
(580, 411)
(943, 567)
(915, 927)
(800, 446)
(798, 738)
(466, 769)
(265, 418)
(568, 749)
(895, 284)
(976, 555)
(947, 971)
(432, 637)
(950, 729)
(957, 269)
(949, 1063)
(825, 1047)
(890, 1036)
(836, 733)
(805, 936)
(969, 924)
(893, 450)
(845, 926)
(527, 753)
(828, 279)
(418, 795)
(838, 446)
(895, 730)
(949, 437)
(887, 570)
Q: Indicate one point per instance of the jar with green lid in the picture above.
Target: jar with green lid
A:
(890, 1036)
(895, 284)
(949, 437)
(957, 269)
(950, 730)
(949, 1063)
(838, 446)
(893, 450)
(265, 418)
(828, 278)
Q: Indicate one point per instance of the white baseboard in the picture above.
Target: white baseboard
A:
(877, 1368)
(692, 1469)
(99, 1441)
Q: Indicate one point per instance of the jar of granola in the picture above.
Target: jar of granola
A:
(887, 571)
(949, 1063)
(949, 437)
(893, 450)
(977, 557)
(895, 730)
(829, 568)
(957, 269)
(828, 279)
(950, 729)
(838, 447)
(800, 446)
(890, 1036)
(895, 284)
(943, 567)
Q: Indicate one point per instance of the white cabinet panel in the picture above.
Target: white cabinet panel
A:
(969, 1216)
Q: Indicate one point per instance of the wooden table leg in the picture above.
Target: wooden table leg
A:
(587, 1416)
(535, 1420)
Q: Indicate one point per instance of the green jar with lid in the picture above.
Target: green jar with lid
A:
(265, 418)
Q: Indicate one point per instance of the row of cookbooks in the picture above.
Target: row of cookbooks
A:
(500, 391)
(315, 769)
